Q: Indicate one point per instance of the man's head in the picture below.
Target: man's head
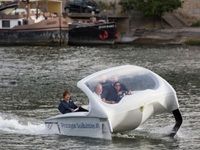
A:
(66, 95)
(98, 89)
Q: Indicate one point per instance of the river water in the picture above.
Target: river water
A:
(32, 80)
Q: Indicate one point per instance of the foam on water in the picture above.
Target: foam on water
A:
(14, 124)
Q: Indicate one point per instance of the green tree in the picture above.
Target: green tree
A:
(151, 8)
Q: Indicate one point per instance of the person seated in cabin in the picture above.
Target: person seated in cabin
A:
(114, 92)
(98, 90)
(107, 93)
(120, 91)
(107, 89)
(67, 105)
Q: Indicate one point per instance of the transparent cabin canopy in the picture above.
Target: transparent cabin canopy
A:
(133, 78)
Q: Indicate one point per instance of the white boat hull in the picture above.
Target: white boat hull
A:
(81, 126)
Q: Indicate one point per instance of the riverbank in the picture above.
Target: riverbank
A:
(188, 36)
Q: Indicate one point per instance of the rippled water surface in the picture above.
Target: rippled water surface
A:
(32, 80)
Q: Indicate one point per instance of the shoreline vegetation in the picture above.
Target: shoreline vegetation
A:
(160, 22)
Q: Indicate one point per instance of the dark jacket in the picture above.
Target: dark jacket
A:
(108, 91)
(110, 94)
(65, 107)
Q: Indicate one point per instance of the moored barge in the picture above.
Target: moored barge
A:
(38, 22)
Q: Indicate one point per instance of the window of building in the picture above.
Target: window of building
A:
(5, 23)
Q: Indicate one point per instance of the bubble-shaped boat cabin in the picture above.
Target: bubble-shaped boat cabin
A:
(112, 85)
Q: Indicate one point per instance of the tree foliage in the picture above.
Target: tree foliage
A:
(151, 8)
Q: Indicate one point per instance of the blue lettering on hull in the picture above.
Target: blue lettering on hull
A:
(81, 125)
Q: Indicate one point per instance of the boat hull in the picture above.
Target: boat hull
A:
(104, 33)
(46, 32)
(82, 126)
(51, 36)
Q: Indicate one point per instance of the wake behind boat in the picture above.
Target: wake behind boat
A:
(143, 94)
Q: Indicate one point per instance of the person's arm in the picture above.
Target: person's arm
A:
(124, 88)
(72, 105)
(76, 109)
(108, 101)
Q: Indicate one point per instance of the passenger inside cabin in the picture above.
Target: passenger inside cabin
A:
(113, 90)
(98, 89)
(120, 91)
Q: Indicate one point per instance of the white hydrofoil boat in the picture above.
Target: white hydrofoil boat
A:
(148, 94)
